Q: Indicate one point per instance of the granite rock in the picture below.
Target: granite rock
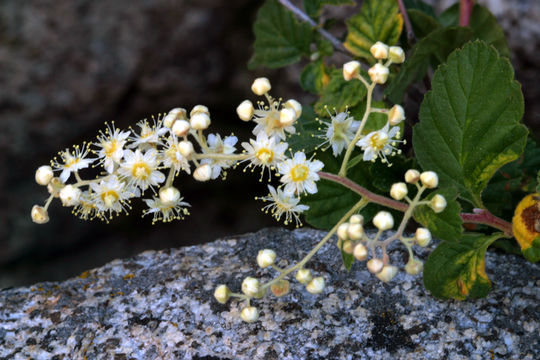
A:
(160, 305)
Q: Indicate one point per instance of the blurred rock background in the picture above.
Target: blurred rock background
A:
(67, 66)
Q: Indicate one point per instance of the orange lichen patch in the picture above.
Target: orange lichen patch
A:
(526, 221)
(129, 276)
(84, 274)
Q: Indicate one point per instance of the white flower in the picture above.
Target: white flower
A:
(70, 195)
(299, 174)
(245, 110)
(261, 86)
(87, 208)
(380, 143)
(340, 131)
(148, 135)
(264, 151)
(141, 169)
(166, 212)
(173, 158)
(268, 121)
(265, 258)
(283, 204)
(396, 54)
(111, 195)
(111, 144)
(72, 161)
(223, 147)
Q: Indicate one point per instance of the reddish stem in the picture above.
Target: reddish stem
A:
(411, 38)
(465, 10)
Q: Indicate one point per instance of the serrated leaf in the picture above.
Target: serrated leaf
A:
(375, 121)
(385, 176)
(306, 127)
(446, 225)
(469, 123)
(456, 270)
(483, 24)
(431, 50)
(419, 5)
(339, 94)
(279, 39)
(422, 23)
(313, 7)
(379, 20)
(314, 77)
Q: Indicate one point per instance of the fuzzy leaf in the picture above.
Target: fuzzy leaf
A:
(279, 39)
(445, 225)
(379, 20)
(456, 270)
(339, 94)
(470, 122)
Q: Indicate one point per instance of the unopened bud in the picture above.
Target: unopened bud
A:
(360, 252)
(173, 115)
(355, 231)
(70, 195)
(39, 215)
(348, 246)
(203, 173)
(44, 175)
(342, 231)
(316, 285)
(295, 105)
(398, 191)
(387, 273)
(250, 286)
(438, 203)
(245, 110)
(200, 121)
(375, 265)
(185, 148)
(396, 54)
(422, 236)
(378, 73)
(222, 294)
(261, 86)
(412, 176)
(181, 128)
(429, 179)
(54, 186)
(287, 117)
(396, 115)
(383, 220)
(303, 276)
(379, 50)
(351, 70)
(266, 258)
(199, 109)
(169, 195)
(280, 288)
(414, 266)
(357, 219)
(249, 314)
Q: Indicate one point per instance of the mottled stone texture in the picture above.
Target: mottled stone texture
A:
(160, 305)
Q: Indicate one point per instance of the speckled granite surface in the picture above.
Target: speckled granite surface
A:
(159, 305)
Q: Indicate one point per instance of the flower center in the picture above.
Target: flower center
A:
(299, 173)
(265, 156)
(379, 140)
(109, 197)
(110, 148)
(140, 171)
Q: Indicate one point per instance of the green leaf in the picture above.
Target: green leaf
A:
(375, 121)
(339, 94)
(385, 176)
(431, 50)
(314, 77)
(446, 225)
(483, 24)
(348, 259)
(313, 7)
(279, 39)
(538, 182)
(422, 23)
(306, 127)
(456, 270)
(469, 123)
(379, 20)
(532, 253)
(419, 5)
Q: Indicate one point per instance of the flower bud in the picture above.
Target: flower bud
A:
(295, 105)
(412, 176)
(287, 117)
(249, 314)
(378, 73)
(398, 191)
(54, 186)
(39, 215)
(245, 110)
(429, 179)
(280, 288)
(348, 246)
(387, 273)
(203, 173)
(185, 148)
(357, 219)
(173, 115)
(222, 294)
(360, 252)
(396, 54)
(303, 276)
(199, 109)
(375, 265)
(414, 266)
(200, 121)
(355, 231)
(250, 286)
(316, 285)
(181, 128)
(169, 195)
(379, 50)
(438, 203)
(261, 86)
(342, 231)
(351, 70)
(266, 258)
(44, 175)
(70, 195)
(396, 115)
(383, 220)
(422, 236)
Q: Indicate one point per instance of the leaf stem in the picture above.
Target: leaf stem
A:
(465, 11)
(411, 37)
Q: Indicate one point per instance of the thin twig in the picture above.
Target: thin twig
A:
(465, 11)
(411, 38)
